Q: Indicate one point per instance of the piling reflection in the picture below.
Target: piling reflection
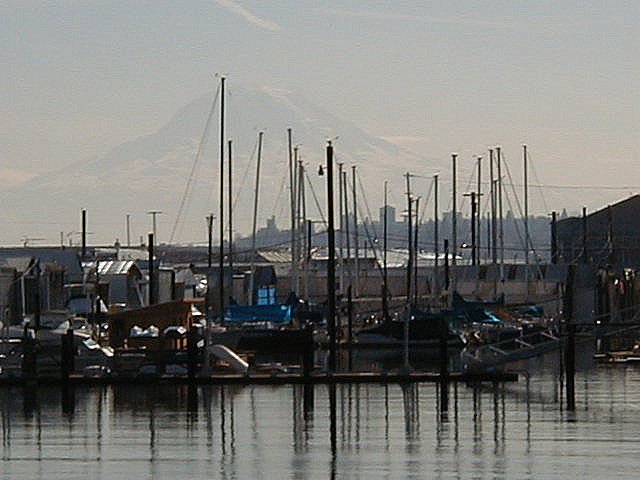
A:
(411, 406)
(281, 431)
(332, 430)
(68, 399)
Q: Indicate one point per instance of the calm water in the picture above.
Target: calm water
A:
(378, 431)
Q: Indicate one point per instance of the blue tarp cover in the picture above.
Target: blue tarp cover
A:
(258, 313)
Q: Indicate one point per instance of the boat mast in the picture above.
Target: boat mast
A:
(494, 230)
(255, 221)
(296, 195)
(479, 214)
(355, 230)
(341, 226)
(302, 222)
(294, 269)
(436, 284)
(331, 272)
(415, 252)
(385, 293)
(454, 219)
(346, 224)
(230, 200)
(221, 206)
(500, 213)
(526, 207)
(409, 241)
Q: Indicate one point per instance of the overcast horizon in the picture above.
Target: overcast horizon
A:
(85, 76)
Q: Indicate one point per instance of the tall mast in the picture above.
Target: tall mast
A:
(454, 221)
(221, 206)
(296, 193)
(409, 240)
(415, 252)
(355, 230)
(294, 270)
(479, 212)
(494, 230)
(346, 225)
(384, 254)
(230, 200)
(301, 225)
(526, 206)
(500, 213)
(331, 272)
(436, 284)
(255, 220)
(341, 226)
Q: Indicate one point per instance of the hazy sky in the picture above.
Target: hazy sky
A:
(81, 76)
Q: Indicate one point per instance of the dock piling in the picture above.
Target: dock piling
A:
(67, 363)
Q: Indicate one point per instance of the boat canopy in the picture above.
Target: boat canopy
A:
(277, 314)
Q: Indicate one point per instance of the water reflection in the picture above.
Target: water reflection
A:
(392, 431)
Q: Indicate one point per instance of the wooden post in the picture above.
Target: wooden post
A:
(67, 355)
(192, 353)
(308, 352)
(29, 362)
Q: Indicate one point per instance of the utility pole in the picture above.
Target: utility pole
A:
(154, 214)
(152, 279)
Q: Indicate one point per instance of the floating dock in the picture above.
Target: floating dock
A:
(269, 379)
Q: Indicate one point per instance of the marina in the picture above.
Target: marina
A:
(248, 239)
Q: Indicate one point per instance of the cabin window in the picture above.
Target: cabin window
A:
(267, 296)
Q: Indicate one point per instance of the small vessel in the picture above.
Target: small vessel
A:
(425, 332)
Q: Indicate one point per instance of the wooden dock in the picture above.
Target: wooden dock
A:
(269, 379)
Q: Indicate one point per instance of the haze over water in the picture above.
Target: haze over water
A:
(380, 431)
